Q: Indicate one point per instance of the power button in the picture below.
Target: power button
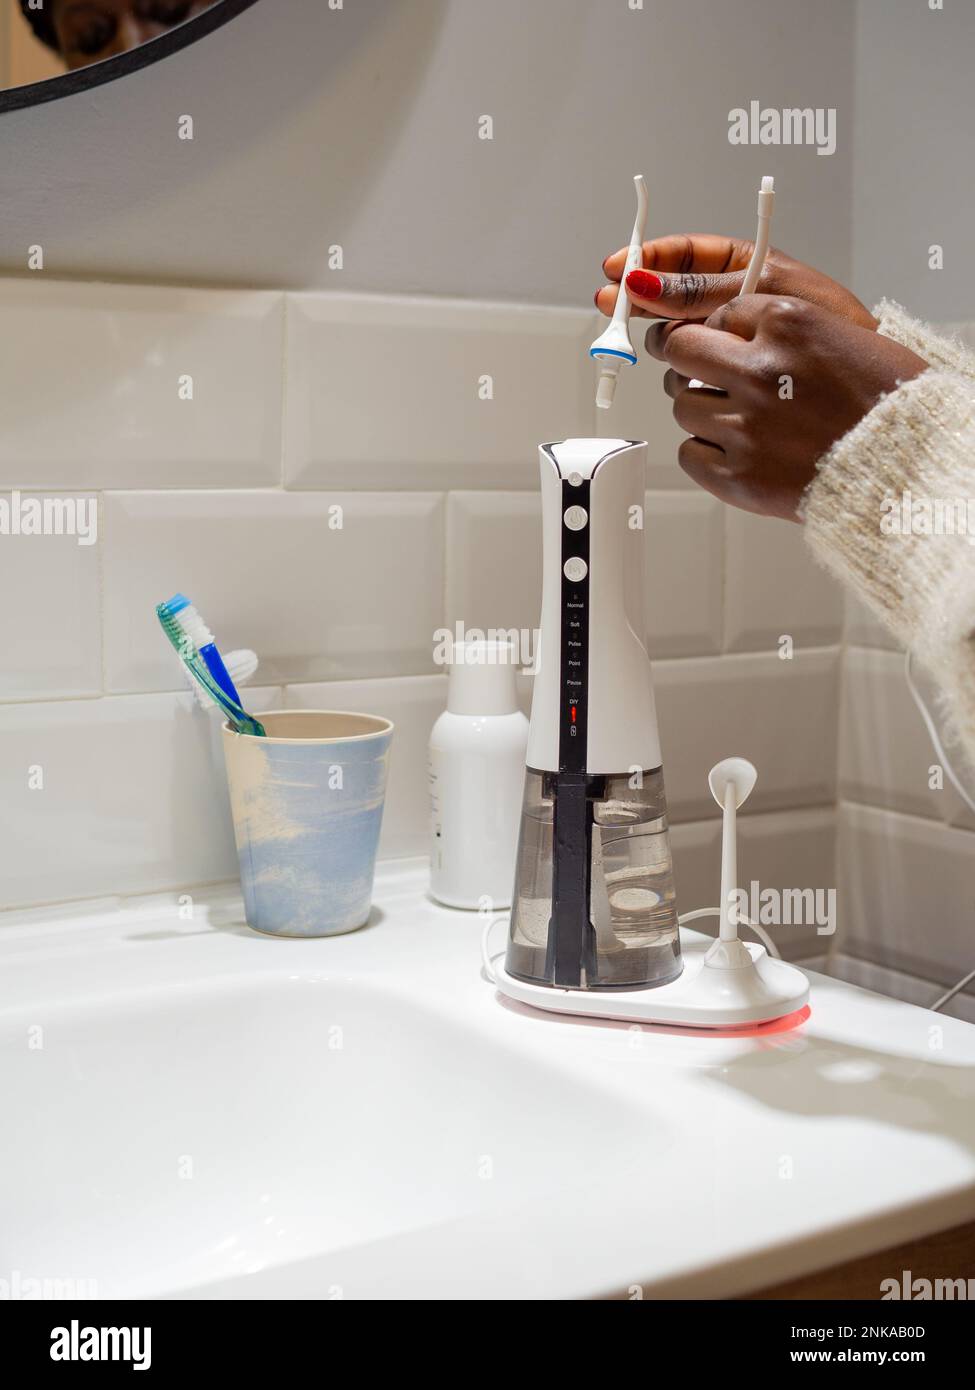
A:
(575, 569)
(575, 518)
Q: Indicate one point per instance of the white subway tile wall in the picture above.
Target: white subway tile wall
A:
(781, 714)
(122, 794)
(776, 592)
(907, 849)
(685, 569)
(886, 756)
(464, 385)
(351, 474)
(139, 386)
(905, 892)
(494, 559)
(323, 585)
(50, 620)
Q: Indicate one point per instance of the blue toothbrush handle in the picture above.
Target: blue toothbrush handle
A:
(219, 672)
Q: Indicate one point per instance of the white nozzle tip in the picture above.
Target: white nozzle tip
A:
(768, 183)
(738, 773)
(606, 390)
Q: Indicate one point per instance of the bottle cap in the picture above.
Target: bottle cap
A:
(481, 678)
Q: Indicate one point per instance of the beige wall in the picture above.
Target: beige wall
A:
(912, 185)
(22, 58)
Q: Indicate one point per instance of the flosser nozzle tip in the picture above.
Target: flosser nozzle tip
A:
(606, 390)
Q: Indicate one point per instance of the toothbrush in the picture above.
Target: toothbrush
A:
(241, 666)
(196, 666)
(188, 620)
(612, 348)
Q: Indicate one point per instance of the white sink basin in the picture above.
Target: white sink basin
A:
(217, 1114)
(202, 1134)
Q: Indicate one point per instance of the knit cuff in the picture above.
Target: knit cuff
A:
(944, 354)
(864, 513)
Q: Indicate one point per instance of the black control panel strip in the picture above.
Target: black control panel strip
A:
(570, 956)
(574, 655)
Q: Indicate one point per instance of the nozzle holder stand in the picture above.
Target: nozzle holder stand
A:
(704, 995)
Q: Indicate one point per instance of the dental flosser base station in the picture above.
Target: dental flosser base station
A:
(594, 927)
(701, 997)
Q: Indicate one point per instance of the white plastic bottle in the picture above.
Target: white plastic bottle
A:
(477, 774)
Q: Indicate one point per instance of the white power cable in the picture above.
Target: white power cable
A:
(760, 932)
(953, 778)
(933, 735)
(486, 959)
(950, 994)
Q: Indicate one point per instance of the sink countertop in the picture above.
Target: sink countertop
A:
(687, 1164)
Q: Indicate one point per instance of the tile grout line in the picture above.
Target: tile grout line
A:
(103, 658)
(930, 822)
(726, 658)
(283, 412)
(120, 899)
(833, 946)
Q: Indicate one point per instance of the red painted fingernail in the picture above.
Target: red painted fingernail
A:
(595, 298)
(644, 284)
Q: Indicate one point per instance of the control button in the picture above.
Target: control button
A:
(575, 518)
(575, 480)
(575, 569)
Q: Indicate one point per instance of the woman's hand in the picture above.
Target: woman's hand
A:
(689, 276)
(792, 378)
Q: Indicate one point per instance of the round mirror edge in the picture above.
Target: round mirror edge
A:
(96, 74)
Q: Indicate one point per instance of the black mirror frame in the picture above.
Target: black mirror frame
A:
(83, 79)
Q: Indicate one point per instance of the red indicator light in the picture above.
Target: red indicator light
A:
(573, 711)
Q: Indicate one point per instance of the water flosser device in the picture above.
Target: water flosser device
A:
(594, 928)
(594, 904)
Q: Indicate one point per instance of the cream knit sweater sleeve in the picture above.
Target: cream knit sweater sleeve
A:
(914, 450)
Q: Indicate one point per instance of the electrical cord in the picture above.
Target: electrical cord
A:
(950, 994)
(955, 781)
(933, 735)
(760, 932)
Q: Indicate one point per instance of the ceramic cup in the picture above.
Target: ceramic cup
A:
(307, 805)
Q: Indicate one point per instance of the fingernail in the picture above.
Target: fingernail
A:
(644, 284)
(595, 298)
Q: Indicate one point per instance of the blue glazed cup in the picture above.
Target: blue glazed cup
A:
(307, 804)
